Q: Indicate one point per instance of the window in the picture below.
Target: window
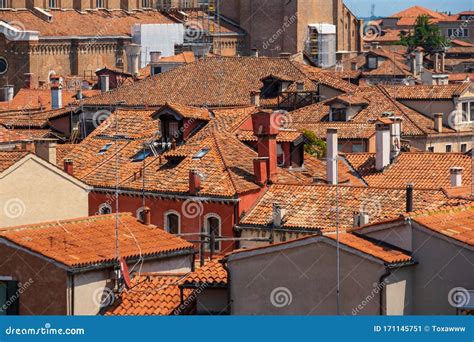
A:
(141, 155)
(463, 148)
(104, 149)
(338, 114)
(53, 4)
(431, 149)
(3, 65)
(467, 112)
(271, 88)
(155, 70)
(140, 214)
(105, 209)
(146, 3)
(358, 147)
(448, 148)
(172, 223)
(9, 294)
(459, 33)
(372, 62)
(201, 153)
(4, 3)
(213, 224)
(100, 3)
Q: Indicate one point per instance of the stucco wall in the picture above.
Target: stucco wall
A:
(308, 273)
(31, 192)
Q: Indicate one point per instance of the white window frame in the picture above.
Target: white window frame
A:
(4, 3)
(208, 232)
(103, 206)
(165, 219)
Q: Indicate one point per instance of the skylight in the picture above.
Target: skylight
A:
(141, 155)
(105, 148)
(201, 153)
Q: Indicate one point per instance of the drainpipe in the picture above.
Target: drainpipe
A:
(382, 281)
(72, 294)
(229, 299)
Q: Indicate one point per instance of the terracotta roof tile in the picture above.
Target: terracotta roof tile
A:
(91, 240)
(423, 92)
(212, 273)
(7, 159)
(425, 170)
(151, 295)
(456, 223)
(313, 207)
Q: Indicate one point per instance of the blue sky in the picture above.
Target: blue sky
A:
(387, 7)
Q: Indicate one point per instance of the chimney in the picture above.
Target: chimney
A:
(361, 219)
(456, 176)
(438, 122)
(331, 156)
(409, 203)
(436, 62)
(395, 136)
(278, 215)
(260, 170)
(104, 83)
(29, 81)
(79, 95)
(155, 56)
(68, 166)
(300, 86)
(265, 127)
(8, 92)
(133, 58)
(254, 52)
(255, 98)
(382, 157)
(194, 182)
(56, 97)
(418, 61)
(46, 149)
(443, 62)
(146, 216)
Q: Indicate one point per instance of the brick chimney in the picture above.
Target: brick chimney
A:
(260, 170)
(46, 149)
(68, 166)
(104, 83)
(194, 182)
(265, 127)
(56, 97)
(331, 156)
(146, 216)
(456, 176)
(438, 122)
(382, 138)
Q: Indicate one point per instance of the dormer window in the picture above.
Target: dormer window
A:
(170, 128)
(372, 62)
(338, 114)
(271, 87)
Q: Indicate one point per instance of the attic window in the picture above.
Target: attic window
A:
(104, 149)
(271, 88)
(141, 155)
(339, 114)
(201, 153)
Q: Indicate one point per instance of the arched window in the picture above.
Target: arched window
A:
(212, 222)
(172, 222)
(105, 209)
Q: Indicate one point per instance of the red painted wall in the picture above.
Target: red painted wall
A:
(192, 214)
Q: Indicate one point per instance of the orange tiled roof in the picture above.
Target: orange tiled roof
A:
(313, 207)
(91, 240)
(27, 100)
(283, 136)
(457, 223)
(151, 295)
(424, 92)
(7, 159)
(88, 23)
(211, 82)
(378, 250)
(8, 136)
(425, 170)
(386, 253)
(212, 273)
(362, 125)
(408, 16)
